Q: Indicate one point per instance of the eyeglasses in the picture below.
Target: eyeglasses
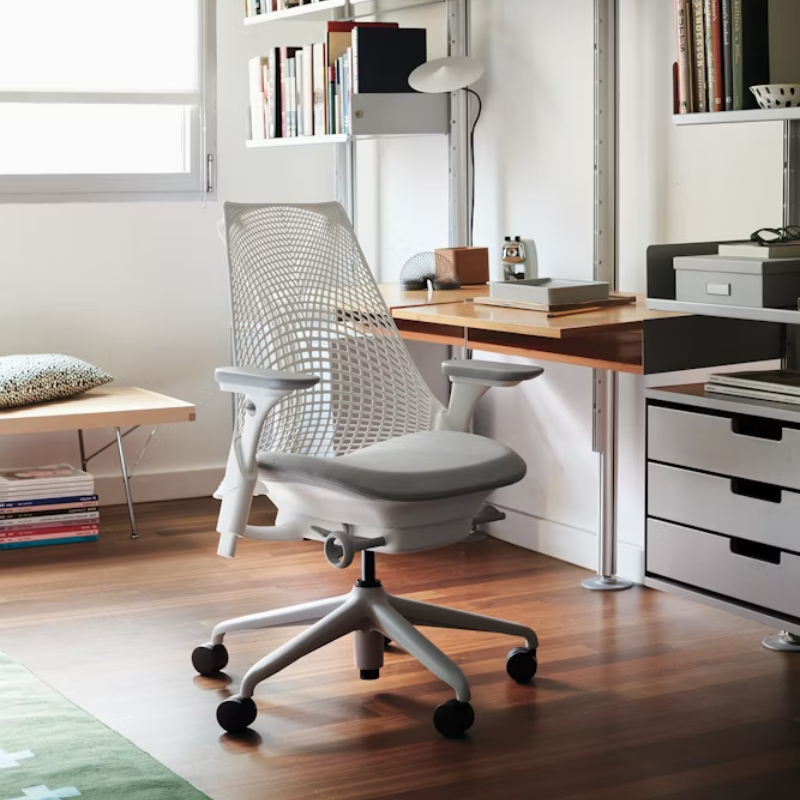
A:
(791, 233)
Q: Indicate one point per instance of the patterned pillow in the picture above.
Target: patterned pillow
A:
(38, 378)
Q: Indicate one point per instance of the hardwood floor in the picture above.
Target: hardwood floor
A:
(639, 694)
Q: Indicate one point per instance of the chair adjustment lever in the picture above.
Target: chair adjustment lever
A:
(341, 547)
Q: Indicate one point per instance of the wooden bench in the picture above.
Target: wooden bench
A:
(114, 407)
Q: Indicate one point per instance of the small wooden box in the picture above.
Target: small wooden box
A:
(471, 263)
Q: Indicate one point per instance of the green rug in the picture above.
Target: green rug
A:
(50, 749)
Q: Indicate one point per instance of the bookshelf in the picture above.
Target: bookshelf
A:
(325, 10)
(392, 115)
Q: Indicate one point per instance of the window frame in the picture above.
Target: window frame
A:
(198, 184)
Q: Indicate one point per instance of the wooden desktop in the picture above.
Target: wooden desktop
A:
(609, 339)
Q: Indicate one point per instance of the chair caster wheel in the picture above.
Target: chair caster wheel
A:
(453, 719)
(209, 659)
(236, 714)
(521, 664)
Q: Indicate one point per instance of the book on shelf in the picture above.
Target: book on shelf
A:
(752, 394)
(749, 249)
(714, 63)
(775, 381)
(385, 57)
(682, 22)
(257, 98)
(319, 87)
(700, 94)
(727, 53)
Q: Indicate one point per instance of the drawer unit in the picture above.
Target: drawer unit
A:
(733, 506)
(757, 449)
(752, 574)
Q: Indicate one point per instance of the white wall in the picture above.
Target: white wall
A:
(141, 288)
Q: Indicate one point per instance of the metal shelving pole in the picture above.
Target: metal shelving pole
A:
(458, 35)
(605, 269)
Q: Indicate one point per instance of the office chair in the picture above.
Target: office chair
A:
(353, 449)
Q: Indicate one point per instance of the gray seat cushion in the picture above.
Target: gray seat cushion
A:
(421, 466)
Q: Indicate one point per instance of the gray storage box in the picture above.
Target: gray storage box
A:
(549, 291)
(751, 282)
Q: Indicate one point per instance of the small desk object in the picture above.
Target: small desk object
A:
(105, 407)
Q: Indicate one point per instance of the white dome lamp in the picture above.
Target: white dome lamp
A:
(450, 74)
(446, 74)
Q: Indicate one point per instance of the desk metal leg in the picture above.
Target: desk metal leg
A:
(606, 445)
(126, 473)
(127, 482)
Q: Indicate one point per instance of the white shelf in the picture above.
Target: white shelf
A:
(323, 10)
(384, 115)
(785, 316)
(294, 141)
(728, 117)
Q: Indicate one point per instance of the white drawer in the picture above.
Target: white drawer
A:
(708, 561)
(733, 506)
(712, 443)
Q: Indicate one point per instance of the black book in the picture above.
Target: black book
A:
(383, 58)
(755, 48)
(727, 52)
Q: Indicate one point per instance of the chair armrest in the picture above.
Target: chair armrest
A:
(239, 379)
(489, 372)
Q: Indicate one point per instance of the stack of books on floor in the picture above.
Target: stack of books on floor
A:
(779, 385)
(47, 505)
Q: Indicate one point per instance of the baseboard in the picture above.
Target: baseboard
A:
(568, 544)
(151, 486)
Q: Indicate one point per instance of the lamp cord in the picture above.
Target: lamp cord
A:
(472, 163)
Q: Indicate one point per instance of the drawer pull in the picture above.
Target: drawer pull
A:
(758, 428)
(756, 551)
(758, 491)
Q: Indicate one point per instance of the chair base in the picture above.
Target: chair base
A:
(372, 614)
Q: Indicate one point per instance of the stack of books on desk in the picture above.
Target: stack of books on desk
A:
(47, 505)
(779, 385)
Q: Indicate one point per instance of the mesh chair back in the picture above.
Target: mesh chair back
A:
(305, 300)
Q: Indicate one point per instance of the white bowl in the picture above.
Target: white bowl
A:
(777, 95)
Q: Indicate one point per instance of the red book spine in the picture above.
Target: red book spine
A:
(64, 530)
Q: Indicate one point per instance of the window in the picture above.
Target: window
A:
(106, 100)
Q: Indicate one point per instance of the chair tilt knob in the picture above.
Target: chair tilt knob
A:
(341, 547)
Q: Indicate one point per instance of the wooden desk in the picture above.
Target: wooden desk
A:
(105, 407)
(609, 339)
